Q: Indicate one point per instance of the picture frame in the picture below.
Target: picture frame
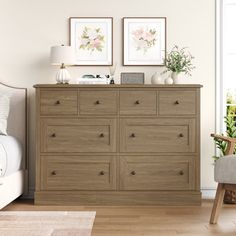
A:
(92, 40)
(144, 41)
(132, 78)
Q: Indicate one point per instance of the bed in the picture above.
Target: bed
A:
(13, 148)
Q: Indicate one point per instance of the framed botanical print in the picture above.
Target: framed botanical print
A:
(144, 41)
(92, 39)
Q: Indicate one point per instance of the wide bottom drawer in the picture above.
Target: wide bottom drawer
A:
(78, 173)
(157, 173)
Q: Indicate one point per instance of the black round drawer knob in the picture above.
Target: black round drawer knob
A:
(137, 102)
(53, 135)
(176, 102)
(57, 102)
(132, 135)
(101, 135)
(181, 173)
(97, 102)
(181, 135)
(54, 172)
(133, 172)
(102, 172)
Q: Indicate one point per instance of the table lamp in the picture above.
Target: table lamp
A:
(62, 55)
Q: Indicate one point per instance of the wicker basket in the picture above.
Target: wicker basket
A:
(230, 197)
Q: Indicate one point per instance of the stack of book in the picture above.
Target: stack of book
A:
(92, 81)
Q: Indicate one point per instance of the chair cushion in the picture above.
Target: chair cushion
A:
(225, 170)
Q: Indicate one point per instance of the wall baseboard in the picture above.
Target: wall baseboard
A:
(208, 193)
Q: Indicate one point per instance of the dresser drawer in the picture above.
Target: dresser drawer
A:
(177, 103)
(78, 173)
(97, 102)
(157, 135)
(157, 173)
(60, 102)
(138, 103)
(78, 135)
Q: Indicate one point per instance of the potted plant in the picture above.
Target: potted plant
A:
(178, 61)
(230, 196)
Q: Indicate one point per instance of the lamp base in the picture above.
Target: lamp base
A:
(63, 76)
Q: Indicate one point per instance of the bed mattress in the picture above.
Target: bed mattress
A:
(10, 155)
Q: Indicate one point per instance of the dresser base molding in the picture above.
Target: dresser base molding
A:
(165, 198)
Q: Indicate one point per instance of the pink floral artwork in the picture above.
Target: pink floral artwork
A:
(92, 39)
(144, 39)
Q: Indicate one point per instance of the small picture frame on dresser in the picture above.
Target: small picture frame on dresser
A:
(132, 78)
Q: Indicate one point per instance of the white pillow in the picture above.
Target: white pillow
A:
(4, 112)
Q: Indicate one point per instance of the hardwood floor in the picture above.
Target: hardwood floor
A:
(149, 221)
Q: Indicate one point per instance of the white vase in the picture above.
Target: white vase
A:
(169, 80)
(175, 77)
(156, 79)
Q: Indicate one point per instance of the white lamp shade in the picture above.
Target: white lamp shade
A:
(62, 54)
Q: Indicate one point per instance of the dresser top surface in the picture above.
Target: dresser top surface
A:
(117, 86)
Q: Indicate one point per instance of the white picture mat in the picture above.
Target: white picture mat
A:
(84, 57)
(154, 56)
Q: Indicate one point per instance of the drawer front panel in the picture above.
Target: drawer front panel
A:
(157, 135)
(138, 103)
(98, 102)
(58, 102)
(177, 103)
(157, 173)
(78, 173)
(78, 135)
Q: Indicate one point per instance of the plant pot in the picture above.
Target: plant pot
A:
(175, 77)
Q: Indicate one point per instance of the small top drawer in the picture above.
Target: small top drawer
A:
(177, 103)
(61, 102)
(138, 103)
(93, 102)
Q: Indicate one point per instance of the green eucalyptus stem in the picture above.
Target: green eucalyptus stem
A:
(179, 61)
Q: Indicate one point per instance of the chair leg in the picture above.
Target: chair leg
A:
(217, 203)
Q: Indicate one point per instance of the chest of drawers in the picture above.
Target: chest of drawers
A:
(117, 145)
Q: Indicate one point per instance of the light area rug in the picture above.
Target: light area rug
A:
(46, 223)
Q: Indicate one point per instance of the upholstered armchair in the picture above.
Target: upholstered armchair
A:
(225, 175)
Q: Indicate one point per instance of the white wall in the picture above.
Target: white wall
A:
(28, 28)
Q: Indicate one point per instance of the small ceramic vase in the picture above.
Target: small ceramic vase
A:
(169, 80)
(174, 76)
(156, 79)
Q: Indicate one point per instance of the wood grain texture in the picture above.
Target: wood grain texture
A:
(157, 173)
(173, 103)
(117, 130)
(98, 102)
(138, 102)
(97, 86)
(217, 203)
(78, 173)
(78, 135)
(157, 135)
(108, 198)
(147, 220)
(58, 102)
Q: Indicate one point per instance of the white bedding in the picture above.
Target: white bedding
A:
(10, 155)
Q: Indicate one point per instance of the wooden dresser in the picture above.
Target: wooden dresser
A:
(118, 144)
